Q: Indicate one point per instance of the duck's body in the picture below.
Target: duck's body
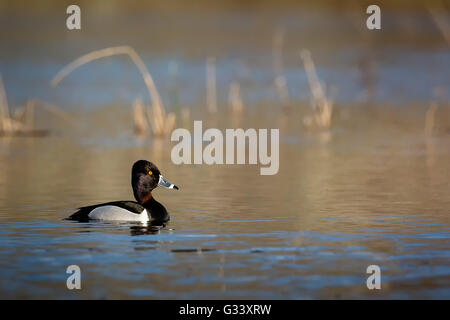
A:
(116, 210)
(145, 177)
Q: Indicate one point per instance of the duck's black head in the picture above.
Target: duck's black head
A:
(145, 177)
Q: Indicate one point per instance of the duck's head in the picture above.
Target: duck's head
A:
(145, 177)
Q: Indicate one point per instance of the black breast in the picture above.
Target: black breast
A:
(157, 210)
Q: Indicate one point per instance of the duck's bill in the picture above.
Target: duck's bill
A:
(166, 184)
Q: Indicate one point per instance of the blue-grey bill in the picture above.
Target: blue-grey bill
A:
(166, 184)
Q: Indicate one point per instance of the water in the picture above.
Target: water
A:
(309, 232)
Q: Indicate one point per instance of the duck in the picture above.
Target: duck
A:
(145, 177)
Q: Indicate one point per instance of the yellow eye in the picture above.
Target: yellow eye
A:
(150, 172)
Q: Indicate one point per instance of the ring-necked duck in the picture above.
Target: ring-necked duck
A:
(145, 177)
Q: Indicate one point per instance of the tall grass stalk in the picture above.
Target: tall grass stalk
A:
(235, 99)
(22, 121)
(437, 12)
(322, 106)
(280, 78)
(211, 91)
(430, 119)
(160, 122)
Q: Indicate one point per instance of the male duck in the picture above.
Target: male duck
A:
(145, 177)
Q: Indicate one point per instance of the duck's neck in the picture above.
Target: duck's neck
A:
(147, 198)
(154, 208)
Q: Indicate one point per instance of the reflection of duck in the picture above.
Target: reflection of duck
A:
(153, 227)
(145, 177)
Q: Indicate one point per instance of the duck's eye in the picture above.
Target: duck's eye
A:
(150, 172)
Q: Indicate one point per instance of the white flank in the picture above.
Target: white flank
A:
(117, 214)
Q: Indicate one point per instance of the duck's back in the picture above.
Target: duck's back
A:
(116, 210)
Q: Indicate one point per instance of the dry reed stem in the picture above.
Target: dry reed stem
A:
(237, 106)
(22, 120)
(442, 24)
(34, 103)
(211, 91)
(171, 122)
(158, 130)
(140, 120)
(159, 120)
(25, 115)
(4, 110)
(280, 78)
(430, 119)
(185, 116)
(323, 107)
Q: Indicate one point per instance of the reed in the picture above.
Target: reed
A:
(141, 126)
(5, 119)
(236, 104)
(235, 99)
(9, 125)
(161, 122)
(50, 108)
(21, 123)
(211, 91)
(280, 78)
(437, 12)
(159, 130)
(173, 88)
(185, 116)
(322, 105)
(367, 65)
(430, 117)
